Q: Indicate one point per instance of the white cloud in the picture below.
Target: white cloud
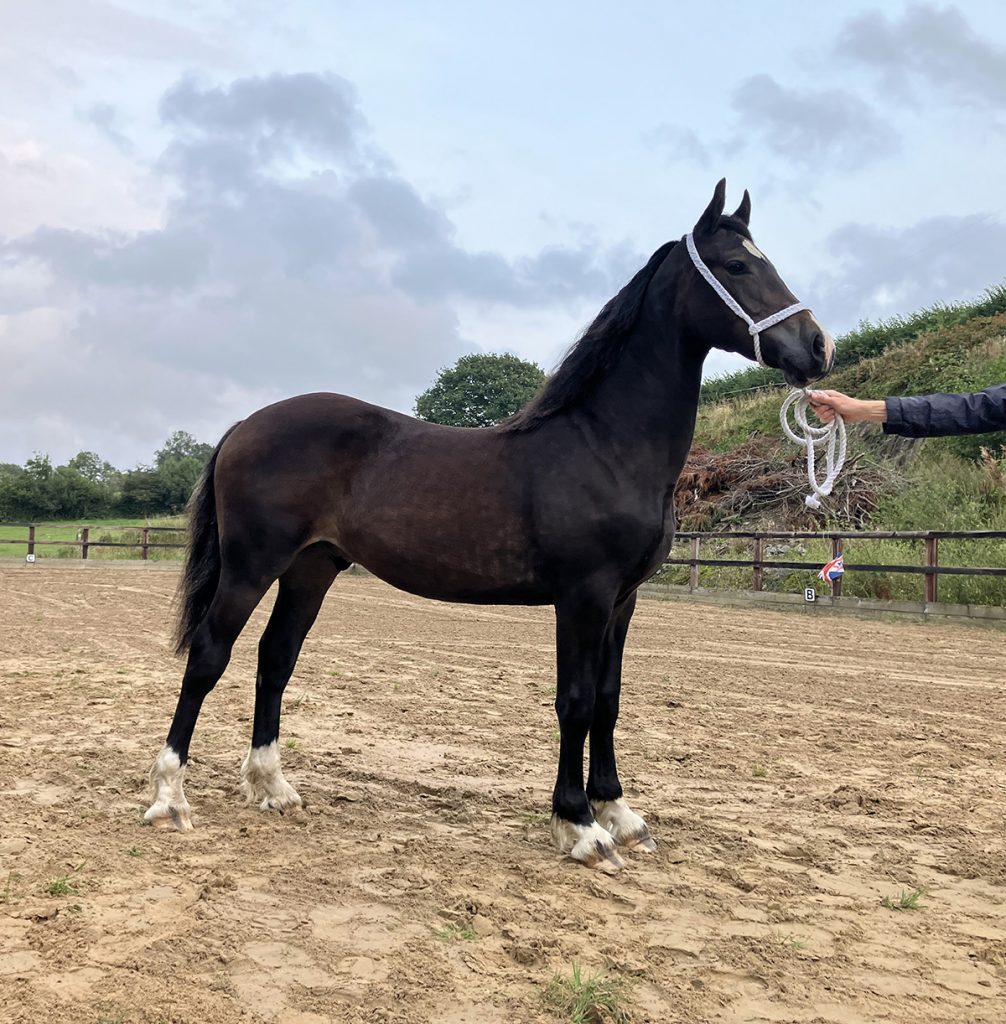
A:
(935, 47)
(291, 258)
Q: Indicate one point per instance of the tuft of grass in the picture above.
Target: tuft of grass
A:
(6, 889)
(61, 886)
(791, 941)
(454, 933)
(759, 771)
(64, 885)
(536, 819)
(587, 1000)
(291, 744)
(134, 851)
(904, 901)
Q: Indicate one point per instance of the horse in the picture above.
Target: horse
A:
(568, 503)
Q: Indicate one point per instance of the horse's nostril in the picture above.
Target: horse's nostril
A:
(818, 345)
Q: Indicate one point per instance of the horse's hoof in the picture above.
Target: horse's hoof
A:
(281, 804)
(170, 817)
(642, 844)
(607, 861)
(625, 826)
(589, 844)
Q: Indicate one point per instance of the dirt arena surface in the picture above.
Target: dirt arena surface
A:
(795, 771)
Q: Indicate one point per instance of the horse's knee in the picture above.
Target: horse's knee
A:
(575, 714)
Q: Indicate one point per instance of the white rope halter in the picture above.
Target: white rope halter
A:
(832, 436)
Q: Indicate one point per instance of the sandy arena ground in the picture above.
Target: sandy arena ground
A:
(794, 770)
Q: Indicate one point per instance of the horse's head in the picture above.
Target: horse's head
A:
(722, 247)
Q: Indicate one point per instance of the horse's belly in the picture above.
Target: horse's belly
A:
(480, 566)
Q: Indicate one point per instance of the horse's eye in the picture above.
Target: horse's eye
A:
(735, 267)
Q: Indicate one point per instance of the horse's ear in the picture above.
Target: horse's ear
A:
(743, 212)
(710, 219)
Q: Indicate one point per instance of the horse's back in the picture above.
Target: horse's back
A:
(432, 509)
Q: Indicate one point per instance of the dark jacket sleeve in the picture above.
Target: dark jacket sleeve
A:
(940, 415)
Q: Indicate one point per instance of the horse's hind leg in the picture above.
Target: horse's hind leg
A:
(233, 603)
(302, 590)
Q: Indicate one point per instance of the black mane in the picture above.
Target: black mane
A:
(594, 354)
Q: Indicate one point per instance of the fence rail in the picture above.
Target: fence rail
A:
(83, 538)
(929, 563)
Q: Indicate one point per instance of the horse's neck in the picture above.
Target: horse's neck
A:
(645, 408)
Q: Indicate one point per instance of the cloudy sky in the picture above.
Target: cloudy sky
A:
(211, 204)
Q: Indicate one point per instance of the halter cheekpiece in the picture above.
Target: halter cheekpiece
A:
(831, 437)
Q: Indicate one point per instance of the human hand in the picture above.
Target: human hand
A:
(826, 404)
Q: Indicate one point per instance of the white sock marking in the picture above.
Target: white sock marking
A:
(262, 780)
(619, 819)
(169, 808)
(589, 844)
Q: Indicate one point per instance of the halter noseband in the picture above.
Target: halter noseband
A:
(754, 329)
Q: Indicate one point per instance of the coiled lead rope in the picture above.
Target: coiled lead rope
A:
(831, 437)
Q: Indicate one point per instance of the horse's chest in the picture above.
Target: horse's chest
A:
(647, 545)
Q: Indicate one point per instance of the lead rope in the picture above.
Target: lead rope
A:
(831, 437)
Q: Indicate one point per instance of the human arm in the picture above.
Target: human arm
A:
(941, 415)
(853, 410)
(936, 415)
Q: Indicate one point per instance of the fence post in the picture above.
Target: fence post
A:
(836, 550)
(693, 572)
(758, 571)
(146, 542)
(932, 561)
(31, 540)
(84, 545)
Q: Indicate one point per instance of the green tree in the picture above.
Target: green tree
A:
(479, 390)
(91, 466)
(182, 445)
(142, 493)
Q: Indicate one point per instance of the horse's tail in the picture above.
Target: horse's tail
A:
(202, 559)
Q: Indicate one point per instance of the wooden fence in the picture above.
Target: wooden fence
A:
(929, 562)
(83, 539)
(929, 565)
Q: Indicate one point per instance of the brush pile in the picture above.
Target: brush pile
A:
(761, 484)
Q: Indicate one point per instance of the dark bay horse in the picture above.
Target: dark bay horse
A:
(568, 503)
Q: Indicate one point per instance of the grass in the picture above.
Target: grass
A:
(759, 771)
(905, 900)
(7, 887)
(61, 886)
(291, 744)
(587, 1000)
(454, 933)
(536, 819)
(117, 530)
(64, 885)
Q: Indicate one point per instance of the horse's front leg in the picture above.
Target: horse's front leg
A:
(581, 624)
(603, 787)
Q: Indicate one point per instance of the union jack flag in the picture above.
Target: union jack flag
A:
(833, 571)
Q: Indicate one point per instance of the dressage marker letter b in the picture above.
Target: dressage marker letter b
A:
(809, 595)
